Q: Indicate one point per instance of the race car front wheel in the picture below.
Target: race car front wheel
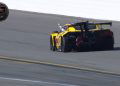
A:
(52, 47)
(65, 44)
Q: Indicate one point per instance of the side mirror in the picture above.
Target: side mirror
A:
(61, 28)
(4, 11)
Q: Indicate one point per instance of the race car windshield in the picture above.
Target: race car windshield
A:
(65, 27)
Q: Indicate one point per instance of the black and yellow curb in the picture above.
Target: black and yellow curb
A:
(56, 65)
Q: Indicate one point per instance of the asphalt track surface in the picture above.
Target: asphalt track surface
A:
(28, 74)
(25, 36)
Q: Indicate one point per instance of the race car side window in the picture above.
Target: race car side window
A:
(91, 26)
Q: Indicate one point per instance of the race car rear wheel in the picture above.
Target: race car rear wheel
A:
(109, 45)
(105, 44)
(52, 47)
(65, 44)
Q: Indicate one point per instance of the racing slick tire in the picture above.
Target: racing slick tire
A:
(4, 11)
(65, 44)
(109, 44)
(52, 47)
(106, 44)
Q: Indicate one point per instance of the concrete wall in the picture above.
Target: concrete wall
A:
(98, 9)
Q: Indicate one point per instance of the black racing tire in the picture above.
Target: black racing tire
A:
(110, 47)
(65, 44)
(4, 15)
(110, 44)
(52, 47)
(106, 44)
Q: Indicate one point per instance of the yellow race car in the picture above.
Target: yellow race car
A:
(82, 36)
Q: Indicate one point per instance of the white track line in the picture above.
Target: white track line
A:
(34, 81)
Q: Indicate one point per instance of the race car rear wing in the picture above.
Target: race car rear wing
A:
(107, 23)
